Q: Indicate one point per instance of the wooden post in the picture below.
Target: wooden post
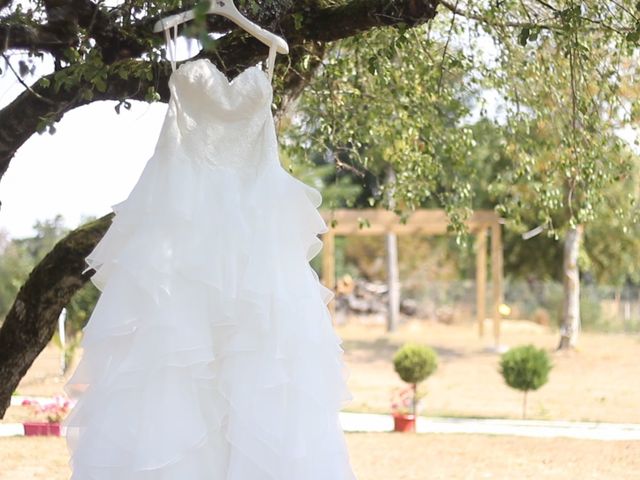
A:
(496, 278)
(393, 280)
(329, 267)
(481, 279)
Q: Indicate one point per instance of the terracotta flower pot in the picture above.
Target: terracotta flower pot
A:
(41, 429)
(404, 422)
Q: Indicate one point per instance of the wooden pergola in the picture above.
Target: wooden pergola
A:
(345, 222)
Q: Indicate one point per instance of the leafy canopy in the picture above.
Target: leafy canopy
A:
(525, 368)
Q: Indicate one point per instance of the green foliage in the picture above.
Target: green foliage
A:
(525, 368)
(15, 266)
(80, 308)
(564, 101)
(19, 256)
(415, 363)
(378, 106)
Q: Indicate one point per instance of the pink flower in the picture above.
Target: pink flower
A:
(53, 411)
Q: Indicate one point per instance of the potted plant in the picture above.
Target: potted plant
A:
(525, 368)
(402, 409)
(413, 363)
(48, 416)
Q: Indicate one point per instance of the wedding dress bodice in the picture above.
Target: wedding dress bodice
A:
(220, 122)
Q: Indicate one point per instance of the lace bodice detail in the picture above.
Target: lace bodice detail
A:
(220, 122)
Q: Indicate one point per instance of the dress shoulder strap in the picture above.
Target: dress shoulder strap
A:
(171, 45)
(271, 61)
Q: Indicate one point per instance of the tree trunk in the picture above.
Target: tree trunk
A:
(570, 326)
(414, 404)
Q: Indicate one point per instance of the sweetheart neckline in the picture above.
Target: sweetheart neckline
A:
(220, 73)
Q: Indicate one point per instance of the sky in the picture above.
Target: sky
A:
(89, 164)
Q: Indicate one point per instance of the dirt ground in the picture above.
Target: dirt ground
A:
(598, 382)
(389, 456)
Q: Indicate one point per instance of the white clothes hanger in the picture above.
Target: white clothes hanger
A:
(227, 9)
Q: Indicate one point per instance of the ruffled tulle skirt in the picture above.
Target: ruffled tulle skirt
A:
(211, 353)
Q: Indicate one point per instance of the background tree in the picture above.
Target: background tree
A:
(563, 88)
(567, 158)
(376, 106)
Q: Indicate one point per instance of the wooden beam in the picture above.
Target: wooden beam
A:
(329, 267)
(380, 222)
(496, 278)
(371, 221)
(481, 279)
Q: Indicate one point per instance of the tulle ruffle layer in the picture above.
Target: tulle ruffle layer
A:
(211, 353)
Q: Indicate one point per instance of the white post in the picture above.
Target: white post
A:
(393, 273)
(393, 280)
(63, 341)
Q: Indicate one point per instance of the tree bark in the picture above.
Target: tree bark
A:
(307, 26)
(570, 327)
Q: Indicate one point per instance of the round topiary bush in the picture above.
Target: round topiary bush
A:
(525, 368)
(414, 363)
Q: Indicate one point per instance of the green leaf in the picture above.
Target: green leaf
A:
(633, 37)
(100, 84)
(297, 21)
(524, 36)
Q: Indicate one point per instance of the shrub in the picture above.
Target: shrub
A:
(414, 363)
(525, 368)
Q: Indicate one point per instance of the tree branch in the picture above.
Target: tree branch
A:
(487, 21)
(233, 53)
(548, 6)
(32, 320)
(345, 20)
(23, 83)
(28, 37)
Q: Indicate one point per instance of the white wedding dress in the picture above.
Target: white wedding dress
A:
(211, 353)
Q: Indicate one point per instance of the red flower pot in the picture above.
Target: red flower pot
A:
(404, 423)
(41, 429)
